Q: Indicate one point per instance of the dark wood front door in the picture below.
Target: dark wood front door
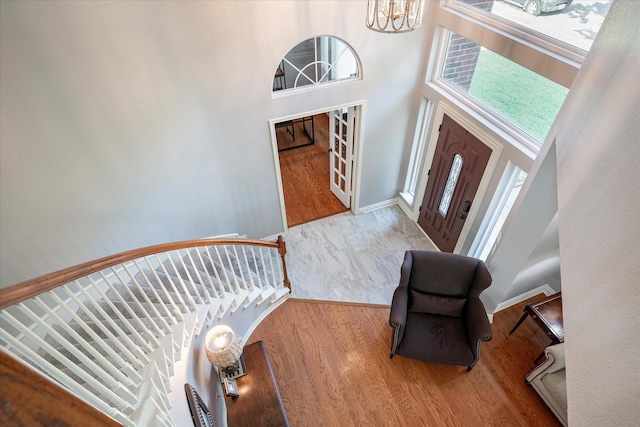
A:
(458, 164)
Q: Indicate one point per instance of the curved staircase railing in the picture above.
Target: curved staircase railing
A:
(113, 330)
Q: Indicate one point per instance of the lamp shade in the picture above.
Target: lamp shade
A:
(394, 16)
(223, 345)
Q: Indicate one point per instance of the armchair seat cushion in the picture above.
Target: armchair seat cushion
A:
(436, 339)
(556, 387)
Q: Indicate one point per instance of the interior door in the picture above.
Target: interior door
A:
(341, 128)
(458, 165)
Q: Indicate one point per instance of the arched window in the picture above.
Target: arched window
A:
(316, 61)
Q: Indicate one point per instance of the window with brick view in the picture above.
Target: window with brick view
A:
(523, 98)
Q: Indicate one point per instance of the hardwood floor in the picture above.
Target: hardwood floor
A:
(305, 174)
(331, 362)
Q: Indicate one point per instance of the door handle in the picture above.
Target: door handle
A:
(330, 150)
(466, 207)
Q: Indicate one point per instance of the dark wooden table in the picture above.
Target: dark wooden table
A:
(259, 403)
(548, 316)
(289, 125)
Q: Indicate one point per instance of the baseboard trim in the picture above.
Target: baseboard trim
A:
(544, 289)
(263, 316)
(378, 205)
(322, 301)
(405, 208)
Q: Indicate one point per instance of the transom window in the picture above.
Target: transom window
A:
(522, 97)
(316, 61)
(574, 22)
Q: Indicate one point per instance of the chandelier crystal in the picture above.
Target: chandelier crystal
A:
(394, 16)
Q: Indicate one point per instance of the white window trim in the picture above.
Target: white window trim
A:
(546, 59)
(509, 177)
(418, 147)
(520, 32)
(318, 85)
(509, 131)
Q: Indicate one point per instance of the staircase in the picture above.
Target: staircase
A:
(117, 332)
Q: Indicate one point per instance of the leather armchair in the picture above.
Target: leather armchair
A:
(436, 313)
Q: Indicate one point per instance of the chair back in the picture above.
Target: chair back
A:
(442, 273)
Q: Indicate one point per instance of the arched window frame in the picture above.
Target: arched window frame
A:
(324, 67)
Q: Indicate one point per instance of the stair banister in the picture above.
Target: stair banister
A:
(123, 324)
(29, 288)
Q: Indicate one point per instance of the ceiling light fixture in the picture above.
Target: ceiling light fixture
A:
(394, 16)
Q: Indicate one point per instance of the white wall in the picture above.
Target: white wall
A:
(542, 267)
(598, 196)
(533, 211)
(126, 124)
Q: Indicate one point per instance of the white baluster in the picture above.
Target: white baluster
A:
(55, 373)
(237, 286)
(215, 270)
(248, 267)
(150, 311)
(134, 317)
(178, 294)
(207, 296)
(116, 400)
(214, 291)
(187, 292)
(176, 315)
(82, 323)
(140, 344)
(132, 378)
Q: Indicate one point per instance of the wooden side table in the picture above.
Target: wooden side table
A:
(548, 316)
(259, 403)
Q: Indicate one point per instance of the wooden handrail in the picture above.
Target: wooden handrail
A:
(30, 288)
(34, 400)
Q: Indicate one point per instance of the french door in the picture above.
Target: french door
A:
(342, 131)
(458, 165)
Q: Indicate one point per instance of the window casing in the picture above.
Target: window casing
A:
(521, 97)
(313, 62)
(417, 152)
(574, 26)
(547, 57)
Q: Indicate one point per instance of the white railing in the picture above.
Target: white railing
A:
(112, 331)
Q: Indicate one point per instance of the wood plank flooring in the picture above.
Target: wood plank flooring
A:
(305, 174)
(331, 362)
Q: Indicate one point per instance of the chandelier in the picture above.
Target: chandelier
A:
(394, 16)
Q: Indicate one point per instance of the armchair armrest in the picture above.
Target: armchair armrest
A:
(398, 316)
(405, 270)
(553, 363)
(477, 321)
(555, 353)
(399, 307)
(478, 327)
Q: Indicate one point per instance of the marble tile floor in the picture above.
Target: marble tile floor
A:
(352, 258)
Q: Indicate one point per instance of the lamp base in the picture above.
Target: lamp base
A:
(233, 372)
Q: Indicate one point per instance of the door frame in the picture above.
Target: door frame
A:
(358, 144)
(485, 137)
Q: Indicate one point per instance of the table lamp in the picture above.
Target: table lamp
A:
(224, 350)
